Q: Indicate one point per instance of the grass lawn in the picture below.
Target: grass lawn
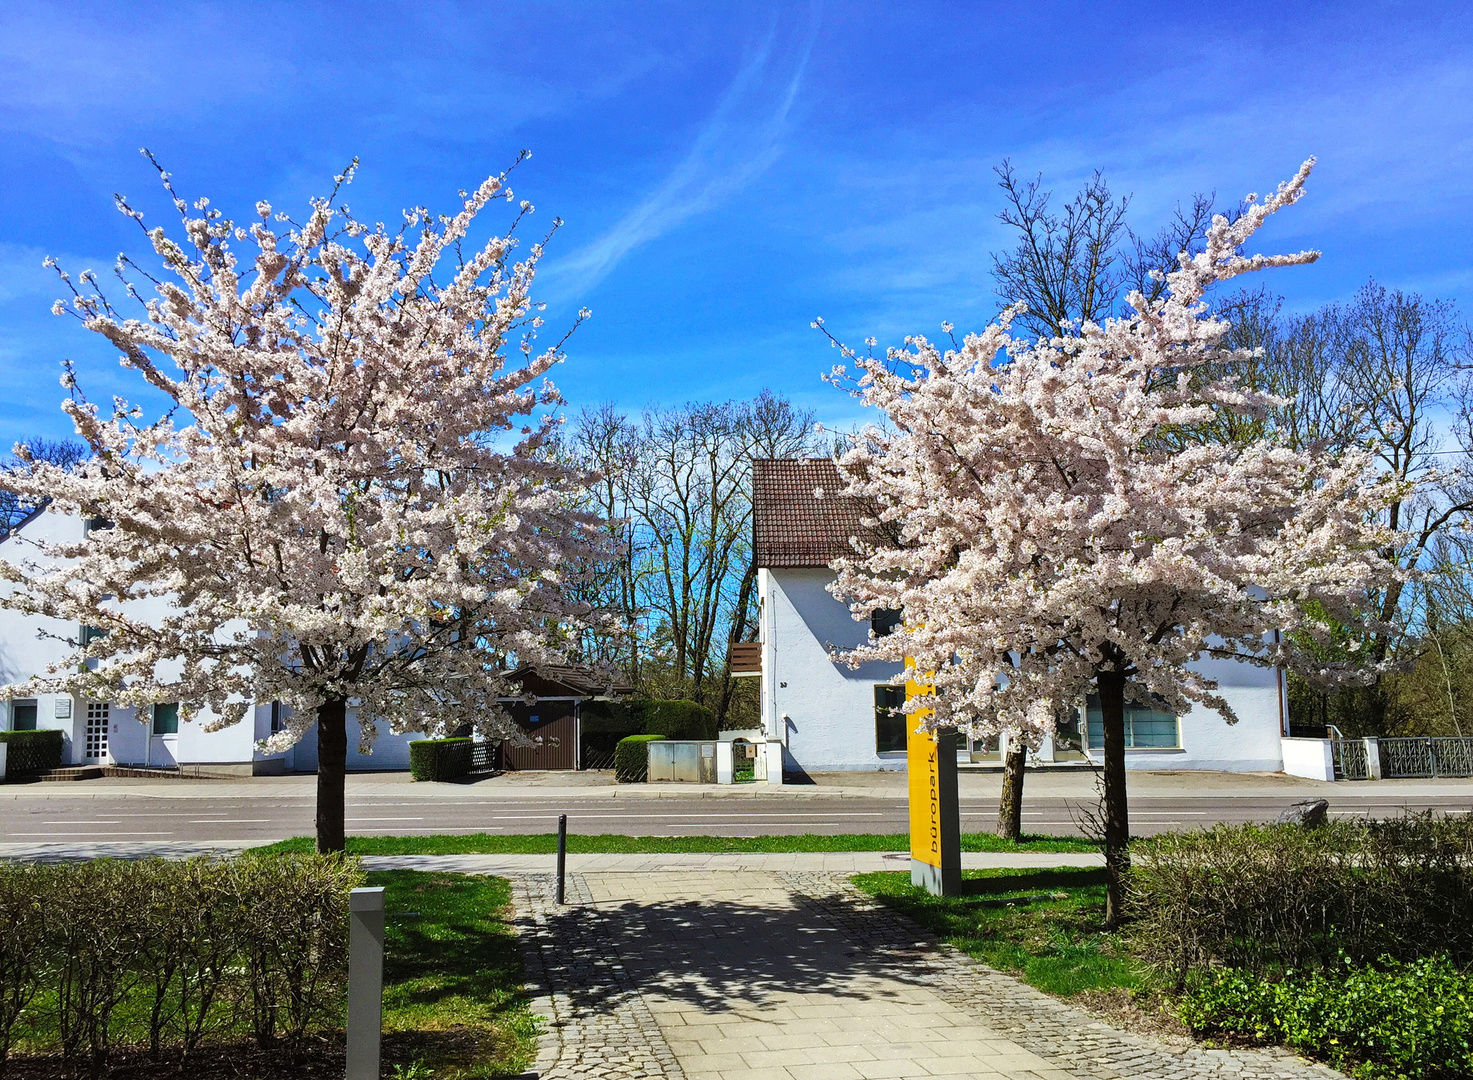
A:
(578, 844)
(1043, 925)
(453, 1002)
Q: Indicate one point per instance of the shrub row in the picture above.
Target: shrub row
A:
(30, 752)
(1403, 1020)
(439, 759)
(632, 759)
(1267, 899)
(164, 955)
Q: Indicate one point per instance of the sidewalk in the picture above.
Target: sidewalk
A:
(797, 976)
(826, 862)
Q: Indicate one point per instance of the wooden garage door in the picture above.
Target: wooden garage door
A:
(554, 733)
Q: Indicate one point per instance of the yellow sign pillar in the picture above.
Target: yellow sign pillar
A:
(935, 819)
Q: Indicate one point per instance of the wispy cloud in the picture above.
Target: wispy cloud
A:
(738, 142)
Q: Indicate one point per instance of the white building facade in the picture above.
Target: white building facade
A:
(105, 733)
(830, 717)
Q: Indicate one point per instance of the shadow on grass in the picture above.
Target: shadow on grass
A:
(1040, 880)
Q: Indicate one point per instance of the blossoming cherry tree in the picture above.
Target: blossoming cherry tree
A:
(1062, 530)
(347, 503)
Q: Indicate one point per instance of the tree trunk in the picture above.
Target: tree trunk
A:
(332, 767)
(1010, 806)
(1117, 815)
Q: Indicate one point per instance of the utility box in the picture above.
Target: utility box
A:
(682, 762)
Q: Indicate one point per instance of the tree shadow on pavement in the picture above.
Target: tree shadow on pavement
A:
(722, 955)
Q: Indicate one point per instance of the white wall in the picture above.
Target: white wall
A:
(830, 708)
(23, 653)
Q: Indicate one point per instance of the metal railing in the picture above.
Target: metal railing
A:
(1352, 762)
(1405, 758)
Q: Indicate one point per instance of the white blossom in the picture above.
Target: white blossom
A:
(1044, 514)
(331, 509)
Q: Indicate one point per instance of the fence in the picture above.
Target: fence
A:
(1412, 757)
(1352, 762)
(484, 756)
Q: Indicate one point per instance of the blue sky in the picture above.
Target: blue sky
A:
(729, 171)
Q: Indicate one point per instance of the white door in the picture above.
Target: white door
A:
(99, 715)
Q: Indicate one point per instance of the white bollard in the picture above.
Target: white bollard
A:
(365, 982)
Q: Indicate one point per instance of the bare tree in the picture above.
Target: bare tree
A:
(64, 453)
(1067, 267)
(676, 483)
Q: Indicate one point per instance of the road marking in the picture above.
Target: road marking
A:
(110, 821)
(109, 836)
(233, 821)
(353, 819)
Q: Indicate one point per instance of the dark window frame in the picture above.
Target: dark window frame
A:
(170, 723)
(890, 726)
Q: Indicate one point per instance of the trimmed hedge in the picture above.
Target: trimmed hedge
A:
(167, 954)
(1270, 899)
(632, 759)
(439, 759)
(676, 719)
(30, 752)
(1398, 1020)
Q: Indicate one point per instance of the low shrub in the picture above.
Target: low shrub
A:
(1392, 1020)
(30, 752)
(162, 954)
(1268, 899)
(632, 759)
(439, 759)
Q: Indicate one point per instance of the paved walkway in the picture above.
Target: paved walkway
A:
(796, 976)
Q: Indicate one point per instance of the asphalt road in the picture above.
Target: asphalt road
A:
(198, 813)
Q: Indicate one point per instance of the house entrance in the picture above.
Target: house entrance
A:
(94, 746)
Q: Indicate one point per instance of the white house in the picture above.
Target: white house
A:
(105, 733)
(832, 718)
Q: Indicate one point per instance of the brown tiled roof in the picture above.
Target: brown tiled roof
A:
(791, 525)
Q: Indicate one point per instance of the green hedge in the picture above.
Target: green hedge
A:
(676, 719)
(1399, 1020)
(1269, 899)
(30, 752)
(166, 954)
(632, 759)
(439, 759)
(672, 718)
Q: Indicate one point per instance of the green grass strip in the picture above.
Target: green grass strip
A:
(1044, 925)
(453, 1000)
(609, 843)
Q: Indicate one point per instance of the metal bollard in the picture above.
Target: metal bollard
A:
(365, 982)
(562, 853)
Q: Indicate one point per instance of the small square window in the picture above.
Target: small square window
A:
(166, 718)
(23, 716)
(885, 621)
(890, 723)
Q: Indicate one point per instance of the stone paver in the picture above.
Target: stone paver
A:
(797, 976)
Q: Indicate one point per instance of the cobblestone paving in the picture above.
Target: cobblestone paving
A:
(798, 976)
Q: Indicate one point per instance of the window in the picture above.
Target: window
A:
(1147, 728)
(884, 621)
(92, 633)
(23, 716)
(889, 722)
(166, 718)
